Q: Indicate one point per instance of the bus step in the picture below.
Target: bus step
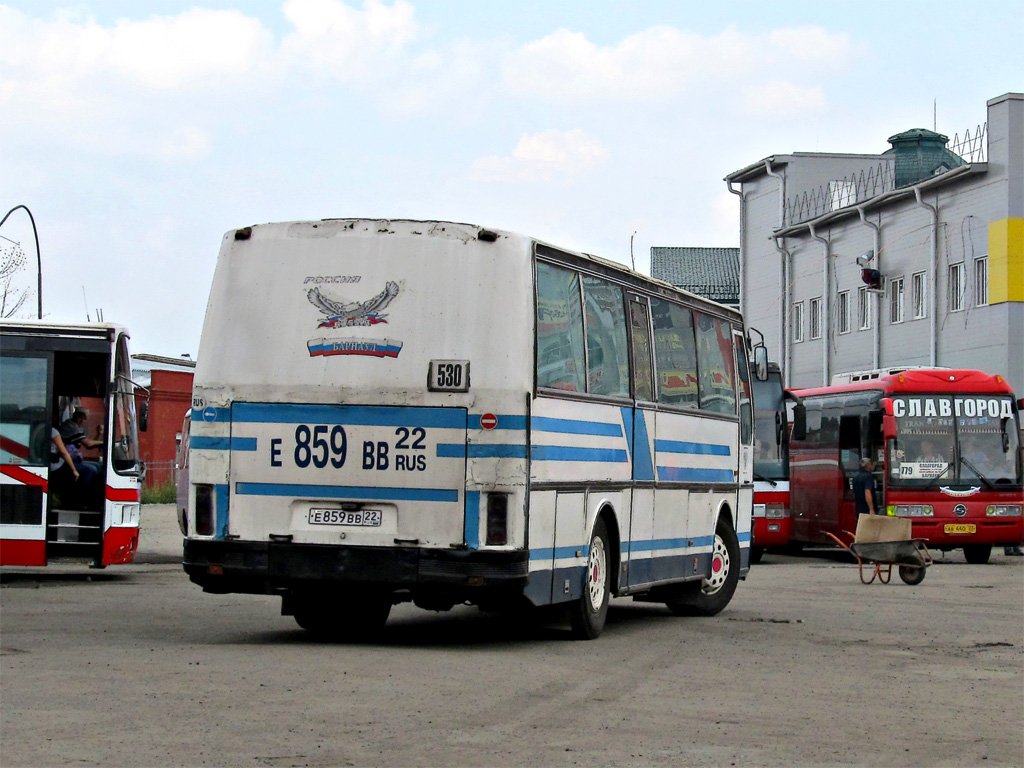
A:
(72, 542)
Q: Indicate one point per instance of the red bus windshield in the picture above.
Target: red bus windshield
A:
(954, 439)
(771, 437)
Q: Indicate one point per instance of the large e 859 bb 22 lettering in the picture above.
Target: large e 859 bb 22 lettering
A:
(324, 444)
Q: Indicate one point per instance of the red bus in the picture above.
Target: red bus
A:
(773, 525)
(947, 453)
(69, 447)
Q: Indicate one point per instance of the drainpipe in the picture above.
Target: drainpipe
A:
(876, 326)
(934, 276)
(743, 248)
(826, 318)
(786, 270)
(784, 344)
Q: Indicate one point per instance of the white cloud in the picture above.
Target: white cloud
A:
(188, 49)
(660, 63)
(334, 38)
(185, 143)
(652, 64)
(547, 156)
(813, 44)
(448, 81)
(783, 98)
(159, 53)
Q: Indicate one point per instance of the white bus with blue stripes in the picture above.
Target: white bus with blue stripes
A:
(391, 411)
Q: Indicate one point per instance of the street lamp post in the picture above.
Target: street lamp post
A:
(39, 258)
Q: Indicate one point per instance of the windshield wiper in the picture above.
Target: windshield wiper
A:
(765, 479)
(934, 480)
(975, 470)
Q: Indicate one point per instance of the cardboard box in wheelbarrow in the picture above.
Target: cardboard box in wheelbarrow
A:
(873, 529)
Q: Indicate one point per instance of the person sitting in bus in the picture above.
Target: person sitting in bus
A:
(62, 466)
(928, 452)
(76, 424)
(865, 488)
(975, 455)
(72, 432)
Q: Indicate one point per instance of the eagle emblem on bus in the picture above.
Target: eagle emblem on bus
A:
(340, 314)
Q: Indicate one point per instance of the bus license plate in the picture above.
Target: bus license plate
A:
(960, 528)
(364, 517)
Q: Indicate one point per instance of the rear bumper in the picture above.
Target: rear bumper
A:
(272, 567)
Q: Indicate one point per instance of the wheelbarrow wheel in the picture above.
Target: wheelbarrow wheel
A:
(912, 575)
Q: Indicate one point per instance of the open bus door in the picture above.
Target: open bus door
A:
(48, 374)
(26, 383)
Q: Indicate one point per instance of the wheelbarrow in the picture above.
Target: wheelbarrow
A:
(911, 556)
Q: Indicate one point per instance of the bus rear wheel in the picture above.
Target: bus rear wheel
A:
(710, 595)
(337, 617)
(977, 554)
(587, 615)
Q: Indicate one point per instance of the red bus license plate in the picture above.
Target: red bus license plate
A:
(960, 528)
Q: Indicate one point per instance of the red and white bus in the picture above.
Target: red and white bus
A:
(947, 453)
(772, 522)
(52, 510)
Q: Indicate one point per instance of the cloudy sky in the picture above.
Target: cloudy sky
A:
(137, 133)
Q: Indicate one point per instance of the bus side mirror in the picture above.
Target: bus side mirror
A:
(143, 415)
(761, 363)
(799, 422)
(888, 427)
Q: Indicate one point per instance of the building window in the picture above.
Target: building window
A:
(863, 308)
(919, 288)
(896, 300)
(841, 194)
(957, 287)
(981, 281)
(798, 322)
(843, 310)
(815, 309)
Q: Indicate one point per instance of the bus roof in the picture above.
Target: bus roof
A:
(50, 328)
(920, 380)
(599, 264)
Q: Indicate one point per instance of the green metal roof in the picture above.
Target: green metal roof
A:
(713, 273)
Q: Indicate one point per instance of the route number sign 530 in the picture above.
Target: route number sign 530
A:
(448, 376)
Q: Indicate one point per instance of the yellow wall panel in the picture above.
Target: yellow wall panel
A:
(1006, 261)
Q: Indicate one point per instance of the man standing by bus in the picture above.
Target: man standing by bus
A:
(865, 488)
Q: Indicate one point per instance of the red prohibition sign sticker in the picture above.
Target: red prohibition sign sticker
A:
(488, 421)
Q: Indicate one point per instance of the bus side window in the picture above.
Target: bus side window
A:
(716, 381)
(607, 350)
(560, 356)
(675, 353)
(643, 388)
(812, 417)
(746, 400)
(849, 444)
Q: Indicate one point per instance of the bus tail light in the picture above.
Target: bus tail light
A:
(497, 519)
(1003, 510)
(204, 510)
(910, 510)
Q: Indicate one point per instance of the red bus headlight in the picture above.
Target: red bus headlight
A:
(1003, 510)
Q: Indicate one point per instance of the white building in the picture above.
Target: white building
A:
(943, 227)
